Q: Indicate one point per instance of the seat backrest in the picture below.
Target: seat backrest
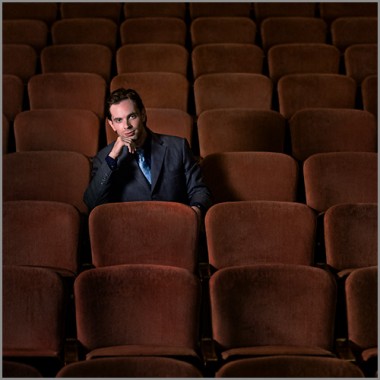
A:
(346, 31)
(361, 61)
(57, 129)
(50, 175)
(170, 30)
(167, 234)
(107, 10)
(198, 9)
(351, 235)
(299, 91)
(321, 130)
(329, 11)
(243, 176)
(162, 313)
(247, 233)
(26, 32)
(156, 57)
(16, 369)
(265, 10)
(84, 58)
(41, 234)
(340, 177)
(208, 30)
(93, 30)
(166, 9)
(5, 135)
(297, 309)
(283, 30)
(369, 94)
(290, 366)
(227, 58)
(130, 367)
(297, 58)
(232, 90)
(361, 299)
(68, 90)
(46, 12)
(13, 96)
(232, 130)
(33, 312)
(158, 89)
(19, 60)
(167, 121)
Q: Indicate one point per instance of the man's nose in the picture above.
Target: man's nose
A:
(127, 124)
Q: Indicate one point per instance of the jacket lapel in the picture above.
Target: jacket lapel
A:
(157, 158)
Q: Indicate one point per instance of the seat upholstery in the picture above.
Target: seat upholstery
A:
(290, 366)
(33, 317)
(267, 9)
(369, 94)
(227, 58)
(243, 176)
(297, 58)
(5, 135)
(322, 130)
(207, 9)
(50, 175)
(107, 10)
(340, 177)
(13, 96)
(167, 9)
(136, 367)
(299, 91)
(237, 129)
(361, 299)
(68, 90)
(156, 57)
(361, 61)
(253, 232)
(85, 58)
(210, 91)
(346, 31)
(17, 369)
(273, 309)
(26, 32)
(138, 30)
(155, 314)
(57, 129)
(85, 30)
(167, 231)
(46, 12)
(19, 60)
(330, 11)
(208, 30)
(351, 236)
(50, 241)
(284, 30)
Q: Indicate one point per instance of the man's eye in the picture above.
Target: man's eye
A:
(133, 116)
(118, 120)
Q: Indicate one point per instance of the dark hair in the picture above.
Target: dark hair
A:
(121, 94)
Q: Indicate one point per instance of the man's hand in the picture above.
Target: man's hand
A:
(119, 144)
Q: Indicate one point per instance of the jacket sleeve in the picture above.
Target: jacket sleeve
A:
(197, 191)
(99, 188)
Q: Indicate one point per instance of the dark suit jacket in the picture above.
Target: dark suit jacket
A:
(176, 176)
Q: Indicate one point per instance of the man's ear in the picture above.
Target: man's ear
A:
(109, 121)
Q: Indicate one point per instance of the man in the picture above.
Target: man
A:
(118, 175)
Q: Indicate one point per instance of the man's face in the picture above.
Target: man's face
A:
(127, 121)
